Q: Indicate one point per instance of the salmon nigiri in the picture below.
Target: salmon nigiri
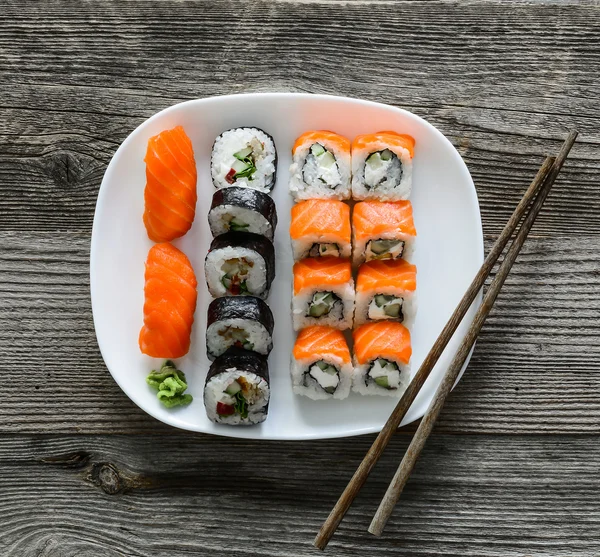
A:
(382, 352)
(320, 166)
(321, 364)
(170, 194)
(382, 166)
(320, 227)
(170, 302)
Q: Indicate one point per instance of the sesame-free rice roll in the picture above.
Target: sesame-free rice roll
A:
(382, 166)
(323, 293)
(320, 227)
(320, 166)
(383, 230)
(382, 352)
(244, 157)
(385, 290)
(321, 363)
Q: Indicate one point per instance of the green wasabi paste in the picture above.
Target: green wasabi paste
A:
(170, 384)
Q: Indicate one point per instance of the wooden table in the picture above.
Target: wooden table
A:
(513, 468)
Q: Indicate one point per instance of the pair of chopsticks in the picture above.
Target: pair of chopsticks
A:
(534, 199)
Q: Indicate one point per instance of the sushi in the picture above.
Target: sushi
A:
(320, 227)
(236, 391)
(239, 264)
(382, 166)
(242, 321)
(170, 302)
(242, 210)
(244, 157)
(320, 166)
(170, 194)
(382, 354)
(323, 293)
(385, 290)
(321, 364)
(383, 230)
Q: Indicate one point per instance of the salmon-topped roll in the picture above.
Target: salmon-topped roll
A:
(170, 302)
(323, 293)
(382, 166)
(320, 227)
(170, 193)
(382, 352)
(320, 166)
(383, 230)
(321, 364)
(385, 290)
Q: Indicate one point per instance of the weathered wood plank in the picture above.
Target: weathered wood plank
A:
(193, 494)
(535, 367)
(495, 79)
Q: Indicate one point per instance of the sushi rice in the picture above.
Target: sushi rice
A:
(244, 157)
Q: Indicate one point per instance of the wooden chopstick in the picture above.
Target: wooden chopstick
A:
(425, 427)
(360, 476)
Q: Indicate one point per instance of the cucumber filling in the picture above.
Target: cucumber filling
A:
(384, 373)
(237, 397)
(325, 375)
(384, 249)
(321, 168)
(322, 303)
(385, 306)
(236, 224)
(321, 250)
(382, 168)
(236, 272)
(244, 165)
(236, 337)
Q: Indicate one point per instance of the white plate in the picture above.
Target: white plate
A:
(449, 250)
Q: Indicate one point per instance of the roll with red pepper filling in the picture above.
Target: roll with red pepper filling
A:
(237, 388)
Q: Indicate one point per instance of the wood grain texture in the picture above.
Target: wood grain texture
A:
(503, 80)
(184, 494)
(535, 367)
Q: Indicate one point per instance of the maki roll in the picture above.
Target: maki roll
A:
(383, 230)
(242, 210)
(320, 166)
(240, 264)
(236, 391)
(323, 293)
(321, 364)
(385, 291)
(382, 166)
(244, 157)
(320, 227)
(242, 321)
(382, 353)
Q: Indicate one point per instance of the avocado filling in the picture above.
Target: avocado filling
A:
(384, 373)
(236, 271)
(321, 304)
(385, 306)
(383, 168)
(384, 249)
(321, 168)
(325, 375)
(321, 250)
(236, 337)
